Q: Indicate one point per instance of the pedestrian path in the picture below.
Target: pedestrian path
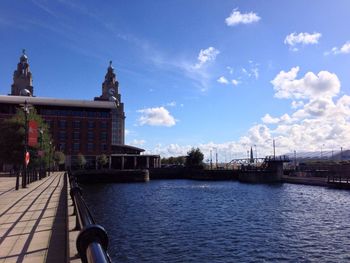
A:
(33, 221)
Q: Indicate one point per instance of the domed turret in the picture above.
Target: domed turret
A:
(22, 78)
(24, 58)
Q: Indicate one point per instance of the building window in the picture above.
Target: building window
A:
(76, 147)
(103, 136)
(78, 113)
(104, 125)
(103, 147)
(62, 124)
(76, 135)
(104, 114)
(76, 124)
(90, 136)
(90, 147)
(91, 124)
(91, 114)
(62, 136)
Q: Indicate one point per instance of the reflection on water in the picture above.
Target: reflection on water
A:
(196, 221)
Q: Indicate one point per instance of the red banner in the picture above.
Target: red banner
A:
(27, 158)
(33, 133)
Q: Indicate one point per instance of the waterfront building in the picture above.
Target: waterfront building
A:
(90, 128)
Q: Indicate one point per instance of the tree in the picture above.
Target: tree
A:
(59, 158)
(194, 158)
(81, 160)
(13, 136)
(102, 160)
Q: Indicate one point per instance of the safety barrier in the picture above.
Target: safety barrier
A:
(92, 241)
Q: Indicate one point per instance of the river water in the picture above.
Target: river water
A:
(201, 221)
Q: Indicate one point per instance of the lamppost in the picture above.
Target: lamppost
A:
(50, 145)
(256, 153)
(341, 153)
(24, 175)
(211, 160)
(41, 130)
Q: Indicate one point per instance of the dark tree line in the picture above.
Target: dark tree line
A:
(193, 159)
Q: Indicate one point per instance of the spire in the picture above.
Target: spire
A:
(251, 155)
(23, 58)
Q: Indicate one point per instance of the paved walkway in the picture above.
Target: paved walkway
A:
(33, 221)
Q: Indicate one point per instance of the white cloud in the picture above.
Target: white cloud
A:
(158, 116)
(294, 39)
(297, 104)
(324, 84)
(267, 119)
(222, 80)
(235, 82)
(206, 55)
(136, 142)
(252, 71)
(230, 69)
(171, 104)
(345, 49)
(237, 17)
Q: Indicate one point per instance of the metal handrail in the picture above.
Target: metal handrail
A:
(92, 241)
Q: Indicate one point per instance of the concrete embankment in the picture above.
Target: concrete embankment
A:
(111, 176)
(317, 181)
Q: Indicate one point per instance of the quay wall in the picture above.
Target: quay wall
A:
(111, 176)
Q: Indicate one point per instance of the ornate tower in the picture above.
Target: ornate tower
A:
(110, 87)
(110, 92)
(22, 78)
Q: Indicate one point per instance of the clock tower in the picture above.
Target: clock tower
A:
(110, 92)
(22, 78)
(110, 87)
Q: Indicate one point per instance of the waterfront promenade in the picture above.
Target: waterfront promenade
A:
(33, 221)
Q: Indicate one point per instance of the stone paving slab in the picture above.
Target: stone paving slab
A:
(33, 219)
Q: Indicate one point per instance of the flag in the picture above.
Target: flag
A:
(33, 133)
(27, 158)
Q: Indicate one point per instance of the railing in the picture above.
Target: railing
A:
(92, 241)
(338, 179)
(29, 176)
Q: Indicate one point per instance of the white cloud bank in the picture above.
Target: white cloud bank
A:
(237, 18)
(295, 39)
(287, 86)
(318, 117)
(158, 116)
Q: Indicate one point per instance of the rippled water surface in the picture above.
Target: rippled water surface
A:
(196, 221)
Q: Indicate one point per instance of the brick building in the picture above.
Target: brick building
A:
(91, 128)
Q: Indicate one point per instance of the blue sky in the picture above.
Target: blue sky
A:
(219, 75)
